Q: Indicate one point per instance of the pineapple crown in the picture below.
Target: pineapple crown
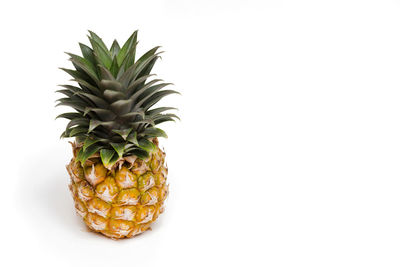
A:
(113, 102)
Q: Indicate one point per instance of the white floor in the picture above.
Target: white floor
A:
(288, 150)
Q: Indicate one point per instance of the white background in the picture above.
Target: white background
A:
(288, 150)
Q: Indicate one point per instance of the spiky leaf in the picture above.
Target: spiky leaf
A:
(147, 145)
(123, 133)
(88, 152)
(114, 49)
(129, 45)
(139, 152)
(69, 115)
(132, 138)
(88, 142)
(87, 53)
(119, 148)
(113, 99)
(154, 132)
(106, 156)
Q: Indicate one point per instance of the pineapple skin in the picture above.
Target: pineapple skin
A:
(121, 202)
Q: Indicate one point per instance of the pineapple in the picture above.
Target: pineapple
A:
(118, 171)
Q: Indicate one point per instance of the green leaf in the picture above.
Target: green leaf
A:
(114, 49)
(146, 58)
(102, 57)
(74, 89)
(103, 114)
(63, 135)
(84, 84)
(88, 142)
(79, 155)
(77, 105)
(101, 52)
(157, 97)
(140, 153)
(129, 44)
(78, 121)
(132, 115)
(170, 115)
(93, 125)
(119, 148)
(78, 99)
(121, 107)
(87, 53)
(71, 88)
(145, 93)
(114, 67)
(128, 145)
(123, 133)
(147, 145)
(135, 92)
(129, 59)
(65, 92)
(158, 110)
(147, 69)
(113, 160)
(161, 120)
(85, 65)
(113, 96)
(133, 71)
(106, 156)
(105, 73)
(94, 37)
(77, 131)
(154, 132)
(112, 85)
(80, 139)
(69, 115)
(134, 85)
(143, 122)
(89, 151)
(133, 138)
(99, 102)
(80, 75)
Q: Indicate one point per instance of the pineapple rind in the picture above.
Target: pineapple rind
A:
(128, 198)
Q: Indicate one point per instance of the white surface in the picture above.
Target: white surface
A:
(287, 154)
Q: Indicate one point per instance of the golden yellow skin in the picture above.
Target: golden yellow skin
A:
(121, 202)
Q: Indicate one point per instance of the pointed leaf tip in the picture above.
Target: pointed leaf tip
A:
(155, 132)
(119, 148)
(106, 156)
(123, 133)
(88, 142)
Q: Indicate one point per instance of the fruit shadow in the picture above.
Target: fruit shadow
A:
(44, 189)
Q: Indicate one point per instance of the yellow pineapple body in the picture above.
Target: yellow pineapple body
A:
(122, 201)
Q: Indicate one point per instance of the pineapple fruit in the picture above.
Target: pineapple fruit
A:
(118, 171)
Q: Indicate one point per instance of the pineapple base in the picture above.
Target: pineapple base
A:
(122, 201)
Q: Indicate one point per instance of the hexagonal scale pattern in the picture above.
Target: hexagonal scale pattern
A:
(122, 202)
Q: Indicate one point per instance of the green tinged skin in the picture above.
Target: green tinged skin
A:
(113, 100)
